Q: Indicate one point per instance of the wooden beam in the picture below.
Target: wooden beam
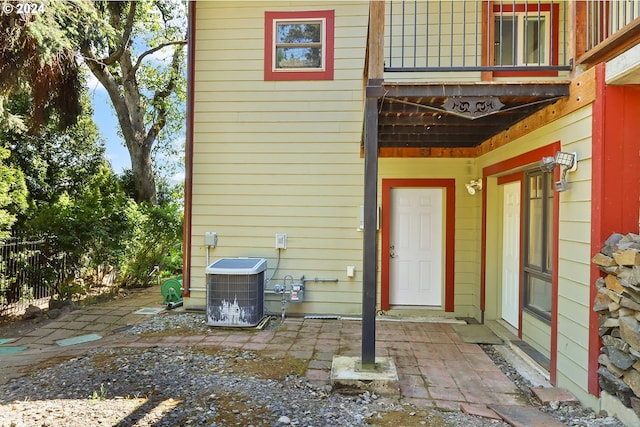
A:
(427, 152)
(495, 89)
(582, 92)
(577, 44)
(614, 45)
(375, 41)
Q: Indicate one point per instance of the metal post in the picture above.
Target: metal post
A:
(369, 285)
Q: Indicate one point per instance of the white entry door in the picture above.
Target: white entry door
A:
(511, 253)
(416, 247)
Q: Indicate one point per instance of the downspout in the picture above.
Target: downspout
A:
(188, 151)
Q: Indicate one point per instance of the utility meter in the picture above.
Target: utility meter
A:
(297, 292)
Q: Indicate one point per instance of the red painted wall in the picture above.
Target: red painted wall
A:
(615, 193)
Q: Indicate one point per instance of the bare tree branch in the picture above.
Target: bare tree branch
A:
(155, 49)
(159, 95)
(126, 36)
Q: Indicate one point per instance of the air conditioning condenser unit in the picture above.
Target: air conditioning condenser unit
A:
(235, 292)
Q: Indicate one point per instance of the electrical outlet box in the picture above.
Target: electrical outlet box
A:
(351, 270)
(361, 218)
(281, 241)
(211, 239)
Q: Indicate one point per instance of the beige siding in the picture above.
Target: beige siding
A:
(574, 133)
(536, 333)
(279, 157)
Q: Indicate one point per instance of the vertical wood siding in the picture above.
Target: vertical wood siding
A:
(279, 157)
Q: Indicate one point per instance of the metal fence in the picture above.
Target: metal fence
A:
(21, 279)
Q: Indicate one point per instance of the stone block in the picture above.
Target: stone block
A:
(611, 323)
(610, 383)
(614, 296)
(636, 273)
(613, 239)
(610, 341)
(632, 379)
(629, 303)
(627, 257)
(601, 302)
(627, 274)
(624, 311)
(614, 269)
(630, 331)
(613, 283)
(635, 405)
(616, 372)
(619, 358)
(603, 260)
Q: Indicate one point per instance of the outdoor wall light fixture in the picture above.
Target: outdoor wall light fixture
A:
(473, 186)
(567, 161)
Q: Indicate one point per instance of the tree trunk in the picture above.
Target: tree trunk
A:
(117, 73)
(144, 182)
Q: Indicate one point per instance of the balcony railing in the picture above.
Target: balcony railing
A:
(605, 18)
(476, 35)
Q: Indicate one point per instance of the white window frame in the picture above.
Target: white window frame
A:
(323, 44)
(520, 36)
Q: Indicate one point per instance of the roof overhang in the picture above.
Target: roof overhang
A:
(460, 115)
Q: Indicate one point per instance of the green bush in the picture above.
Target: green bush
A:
(154, 246)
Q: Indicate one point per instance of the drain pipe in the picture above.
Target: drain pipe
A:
(282, 289)
(317, 279)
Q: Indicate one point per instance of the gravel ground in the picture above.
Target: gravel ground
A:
(218, 387)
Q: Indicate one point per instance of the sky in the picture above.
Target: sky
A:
(105, 118)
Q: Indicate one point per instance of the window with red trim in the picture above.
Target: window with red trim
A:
(298, 45)
(525, 35)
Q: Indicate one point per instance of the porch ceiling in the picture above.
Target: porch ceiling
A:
(428, 115)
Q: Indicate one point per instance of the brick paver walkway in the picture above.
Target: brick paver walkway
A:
(435, 367)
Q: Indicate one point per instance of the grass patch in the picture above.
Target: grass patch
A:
(430, 417)
(258, 365)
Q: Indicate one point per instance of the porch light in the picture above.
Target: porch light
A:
(567, 161)
(473, 186)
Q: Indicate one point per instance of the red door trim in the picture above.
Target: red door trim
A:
(450, 209)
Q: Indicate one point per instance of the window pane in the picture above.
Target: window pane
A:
(536, 218)
(549, 225)
(298, 57)
(299, 33)
(534, 40)
(505, 41)
(538, 294)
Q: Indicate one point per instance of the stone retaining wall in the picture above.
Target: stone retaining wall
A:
(618, 305)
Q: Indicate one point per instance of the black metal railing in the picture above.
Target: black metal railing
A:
(476, 35)
(21, 279)
(605, 18)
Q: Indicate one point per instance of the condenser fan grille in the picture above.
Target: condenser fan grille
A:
(235, 296)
